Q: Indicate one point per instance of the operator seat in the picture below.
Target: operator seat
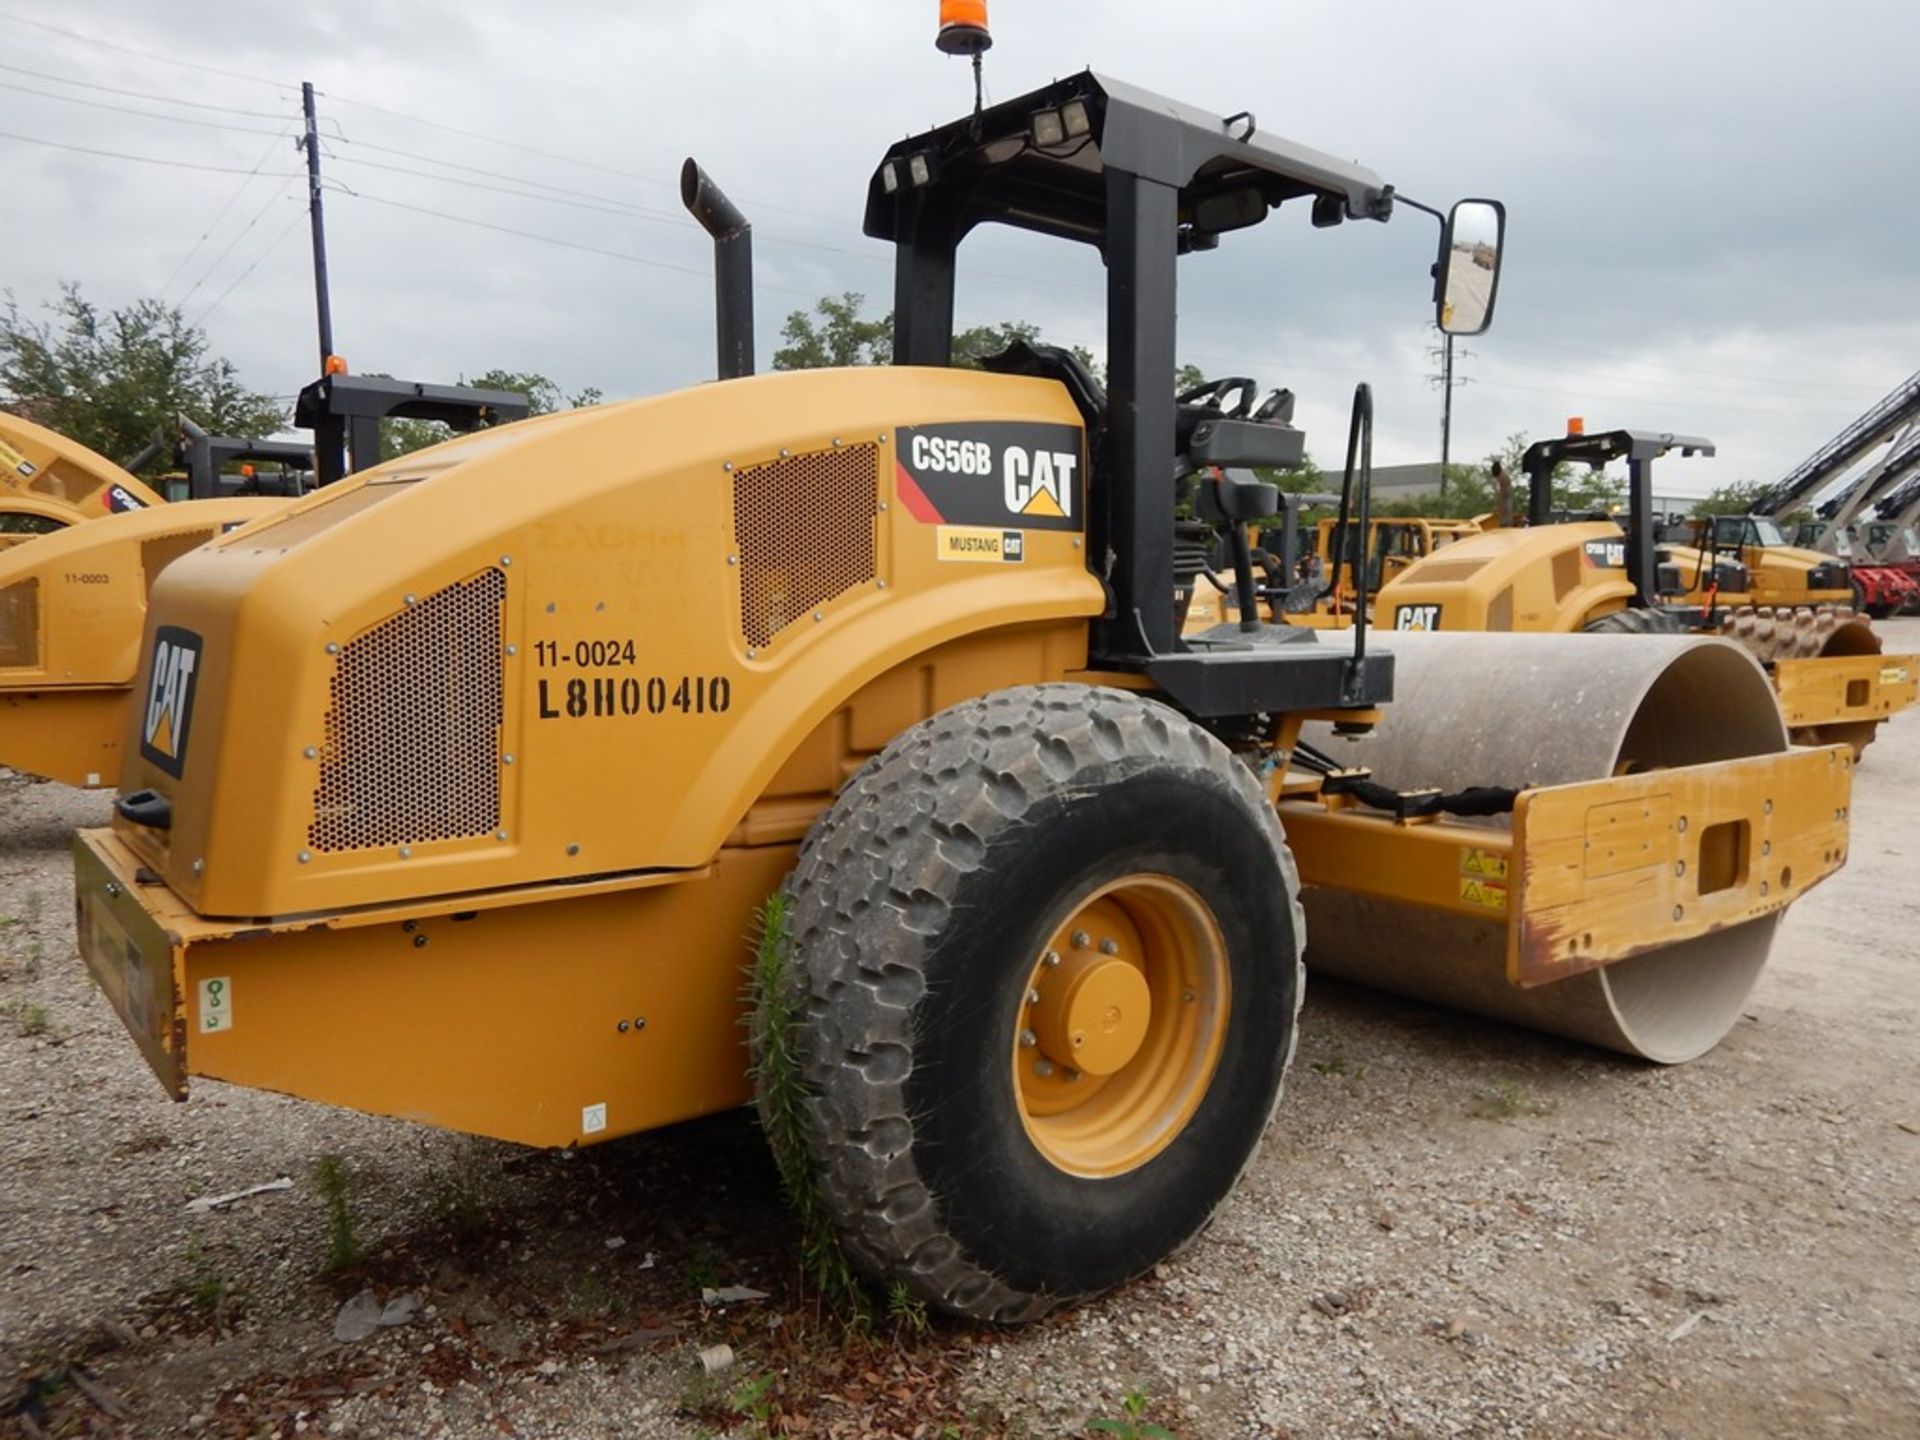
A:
(1054, 362)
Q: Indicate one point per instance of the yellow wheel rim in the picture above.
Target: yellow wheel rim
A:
(1121, 1026)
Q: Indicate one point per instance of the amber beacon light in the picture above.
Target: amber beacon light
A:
(963, 27)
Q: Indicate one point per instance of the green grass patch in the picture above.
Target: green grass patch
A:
(335, 1183)
(1508, 1100)
(775, 1018)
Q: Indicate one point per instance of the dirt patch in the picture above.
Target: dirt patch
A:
(1455, 1228)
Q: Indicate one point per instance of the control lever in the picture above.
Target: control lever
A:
(1360, 450)
(1232, 503)
(1276, 409)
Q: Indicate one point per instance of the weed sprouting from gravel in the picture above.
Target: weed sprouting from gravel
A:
(205, 1289)
(1134, 1424)
(35, 948)
(30, 951)
(335, 1182)
(1507, 1100)
(1337, 1065)
(32, 1018)
(775, 1016)
(752, 1399)
(906, 1312)
(460, 1205)
(208, 1289)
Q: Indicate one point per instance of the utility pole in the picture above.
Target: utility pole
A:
(322, 300)
(1448, 383)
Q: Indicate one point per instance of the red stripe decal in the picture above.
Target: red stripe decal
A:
(913, 497)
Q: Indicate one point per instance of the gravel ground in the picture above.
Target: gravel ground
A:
(1455, 1229)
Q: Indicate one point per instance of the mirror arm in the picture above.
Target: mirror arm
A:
(1413, 204)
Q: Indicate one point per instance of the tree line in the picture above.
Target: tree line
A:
(113, 377)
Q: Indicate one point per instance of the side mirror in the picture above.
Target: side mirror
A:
(1469, 270)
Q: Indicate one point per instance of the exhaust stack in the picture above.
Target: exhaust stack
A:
(732, 266)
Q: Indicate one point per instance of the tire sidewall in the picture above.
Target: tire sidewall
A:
(1015, 1213)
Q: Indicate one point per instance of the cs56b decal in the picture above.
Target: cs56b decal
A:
(992, 473)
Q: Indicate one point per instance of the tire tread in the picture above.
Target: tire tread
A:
(890, 852)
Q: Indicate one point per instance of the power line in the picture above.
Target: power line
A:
(1635, 399)
(272, 246)
(213, 224)
(673, 186)
(494, 140)
(47, 78)
(232, 245)
(1692, 369)
(359, 144)
(95, 42)
(604, 205)
(608, 208)
(123, 155)
(509, 230)
(129, 110)
(1683, 388)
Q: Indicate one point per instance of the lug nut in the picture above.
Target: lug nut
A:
(1081, 940)
(1053, 958)
(1109, 947)
(1028, 1039)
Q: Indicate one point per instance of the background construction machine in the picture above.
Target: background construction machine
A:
(48, 482)
(1834, 685)
(900, 645)
(1878, 586)
(72, 605)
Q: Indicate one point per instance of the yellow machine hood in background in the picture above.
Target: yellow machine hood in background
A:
(36, 462)
(72, 606)
(649, 606)
(1531, 578)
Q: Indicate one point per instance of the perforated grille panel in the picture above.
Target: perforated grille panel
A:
(20, 625)
(161, 551)
(412, 749)
(805, 533)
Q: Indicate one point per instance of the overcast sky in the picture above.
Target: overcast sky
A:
(1713, 218)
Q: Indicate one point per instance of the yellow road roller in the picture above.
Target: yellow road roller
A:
(48, 482)
(72, 606)
(454, 796)
(1613, 575)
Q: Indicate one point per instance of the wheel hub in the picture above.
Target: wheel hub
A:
(1093, 1011)
(1121, 1025)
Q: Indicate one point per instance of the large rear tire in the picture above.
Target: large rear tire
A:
(1046, 966)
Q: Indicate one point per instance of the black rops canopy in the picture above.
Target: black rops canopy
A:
(991, 167)
(1143, 179)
